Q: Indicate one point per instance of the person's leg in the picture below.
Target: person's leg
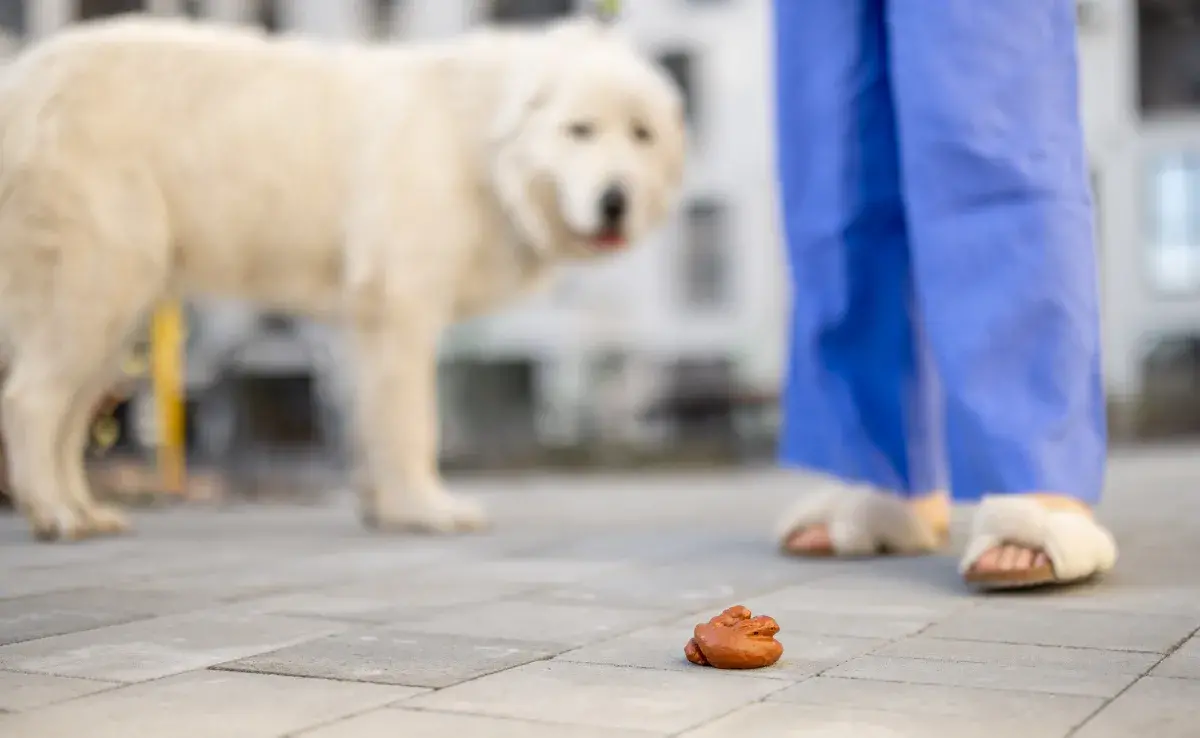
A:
(856, 407)
(1000, 219)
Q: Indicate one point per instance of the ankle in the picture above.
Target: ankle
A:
(933, 508)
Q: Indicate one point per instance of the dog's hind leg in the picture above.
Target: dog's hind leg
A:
(111, 317)
(34, 411)
(48, 403)
(83, 273)
(101, 519)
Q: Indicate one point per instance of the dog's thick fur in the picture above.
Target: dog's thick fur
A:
(393, 188)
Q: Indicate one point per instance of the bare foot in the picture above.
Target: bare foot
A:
(1012, 559)
(814, 540)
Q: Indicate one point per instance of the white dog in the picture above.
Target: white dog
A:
(395, 189)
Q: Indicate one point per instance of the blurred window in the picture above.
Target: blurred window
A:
(525, 11)
(680, 66)
(382, 17)
(1087, 13)
(12, 17)
(268, 16)
(1173, 210)
(90, 9)
(705, 265)
(1169, 55)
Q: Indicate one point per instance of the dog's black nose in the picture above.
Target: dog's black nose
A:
(613, 205)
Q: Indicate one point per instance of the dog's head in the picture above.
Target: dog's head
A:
(587, 142)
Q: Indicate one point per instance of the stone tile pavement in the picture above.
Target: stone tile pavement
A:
(570, 618)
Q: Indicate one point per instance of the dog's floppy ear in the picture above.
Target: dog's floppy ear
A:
(527, 87)
(530, 83)
(524, 91)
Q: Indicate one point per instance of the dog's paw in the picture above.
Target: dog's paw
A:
(440, 514)
(57, 524)
(104, 520)
(68, 523)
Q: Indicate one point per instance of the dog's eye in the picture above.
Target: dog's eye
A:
(642, 133)
(581, 130)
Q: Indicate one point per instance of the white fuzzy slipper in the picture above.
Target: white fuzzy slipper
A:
(1077, 547)
(862, 522)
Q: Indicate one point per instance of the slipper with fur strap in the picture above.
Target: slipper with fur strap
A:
(1077, 547)
(861, 521)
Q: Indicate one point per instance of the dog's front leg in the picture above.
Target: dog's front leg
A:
(398, 432)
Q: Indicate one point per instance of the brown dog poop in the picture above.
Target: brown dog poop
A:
(735, 640)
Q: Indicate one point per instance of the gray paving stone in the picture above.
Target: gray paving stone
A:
(641, 548)
(1184, 663)
(662, 648)
(1091, 660)
(934, 576)
(255, 579)
(519, 620)
(757, 558)
(1050, 679)
(204, 704)
(1107, 595)
(156, 565)
(396, 723)
(150, 649)
(1054, 712)
(316, 604)
(20, 691)
(684, 587)
(256, 567)
(779, 720)
(1104, 630)
(18, 583)
(391, 656)
(1162, 708)
(917, 605)
(488, 571)
(19, 555)
(859, 626)
(39, 616)
(531, 571)
(602, 696)
(383, 602)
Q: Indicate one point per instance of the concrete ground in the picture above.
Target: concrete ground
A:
(570, 620)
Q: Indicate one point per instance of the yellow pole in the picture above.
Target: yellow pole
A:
(166, 348)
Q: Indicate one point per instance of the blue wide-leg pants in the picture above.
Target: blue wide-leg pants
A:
(939, 227)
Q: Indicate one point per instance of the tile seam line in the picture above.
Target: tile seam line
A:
(1092, 716)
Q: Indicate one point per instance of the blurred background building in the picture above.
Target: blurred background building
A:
(678, 347)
